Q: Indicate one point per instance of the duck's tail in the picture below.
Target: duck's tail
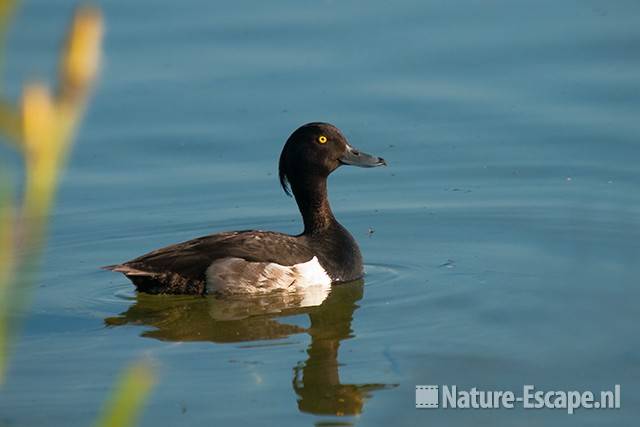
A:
(126, 270)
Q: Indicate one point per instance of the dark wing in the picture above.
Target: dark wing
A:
(181, 268)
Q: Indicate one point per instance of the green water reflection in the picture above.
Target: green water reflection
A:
(316, 380)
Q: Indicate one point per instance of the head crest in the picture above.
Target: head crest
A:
(282, 173)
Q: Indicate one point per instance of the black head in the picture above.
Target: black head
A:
(315, 150)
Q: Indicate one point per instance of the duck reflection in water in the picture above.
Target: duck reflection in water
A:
(316, 380)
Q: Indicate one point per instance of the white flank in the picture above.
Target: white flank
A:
(236, 275)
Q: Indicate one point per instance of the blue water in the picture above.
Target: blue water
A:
(502, 243)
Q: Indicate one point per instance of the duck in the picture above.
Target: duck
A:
(259, 262)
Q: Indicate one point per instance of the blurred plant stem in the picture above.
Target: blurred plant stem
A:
(6, 267)
(6, 11)
(9, 119)
(42, 129)
(49, 123)
(123, 407)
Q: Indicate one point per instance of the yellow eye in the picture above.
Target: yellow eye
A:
(322, 139)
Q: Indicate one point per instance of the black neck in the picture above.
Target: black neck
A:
(311, 196)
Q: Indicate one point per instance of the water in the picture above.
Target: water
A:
(506, 232)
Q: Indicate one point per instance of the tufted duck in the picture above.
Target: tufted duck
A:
(261, 261)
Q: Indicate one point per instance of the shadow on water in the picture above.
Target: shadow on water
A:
(316, 380)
